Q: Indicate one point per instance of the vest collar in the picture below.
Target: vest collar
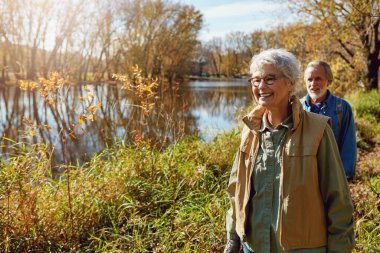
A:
(254, 118)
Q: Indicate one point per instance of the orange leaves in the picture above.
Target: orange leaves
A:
(49, 87)
(28, 85)
(54, 97)
(144, 88)
(31, 124)
(89, 96)
(50, 90)
(47, 127)
(27, 121)
(137, 136)
(82, 118)
(92, 109)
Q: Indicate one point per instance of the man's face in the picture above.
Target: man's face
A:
(316, 83)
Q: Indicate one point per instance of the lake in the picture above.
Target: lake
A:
(202, 108)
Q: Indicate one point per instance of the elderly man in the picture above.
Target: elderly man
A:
(318, 77)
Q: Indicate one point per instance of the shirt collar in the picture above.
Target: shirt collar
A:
(265, 126)
(253, 119)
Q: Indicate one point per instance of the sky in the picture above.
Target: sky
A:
(225, 16)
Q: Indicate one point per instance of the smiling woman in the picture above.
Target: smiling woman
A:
(287, 179)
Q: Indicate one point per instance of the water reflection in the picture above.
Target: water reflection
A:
(203, 108)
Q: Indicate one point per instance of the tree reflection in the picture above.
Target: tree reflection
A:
(176, 112)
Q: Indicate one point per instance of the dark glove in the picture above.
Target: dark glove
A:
(232, 246)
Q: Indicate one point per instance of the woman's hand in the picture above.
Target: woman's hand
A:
(232, 246)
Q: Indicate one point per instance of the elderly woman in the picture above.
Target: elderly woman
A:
(287, 187)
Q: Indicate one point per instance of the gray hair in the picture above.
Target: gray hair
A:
(325, 66)
(280, 59)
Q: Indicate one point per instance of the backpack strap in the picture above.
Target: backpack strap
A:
(339, 111)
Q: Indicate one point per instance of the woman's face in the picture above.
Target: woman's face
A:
(271, 96)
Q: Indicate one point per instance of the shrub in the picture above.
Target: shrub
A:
(366, 108)
(369, 106)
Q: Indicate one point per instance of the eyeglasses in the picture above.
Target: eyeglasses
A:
(269, 80)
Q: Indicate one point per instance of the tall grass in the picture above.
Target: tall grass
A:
(129, 198)
(366, 189)
(366, 108)
(367, 214)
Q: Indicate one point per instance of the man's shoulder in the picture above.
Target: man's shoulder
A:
(317, 117)
(316, 123)
(339, 101)
(342, 104)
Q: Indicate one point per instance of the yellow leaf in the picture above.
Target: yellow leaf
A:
(51, 101)
(90, 117)
(92, 109)
(81, 119)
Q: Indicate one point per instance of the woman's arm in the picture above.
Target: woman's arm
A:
(336, 196)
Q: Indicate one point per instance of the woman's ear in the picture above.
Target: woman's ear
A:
(290, 84)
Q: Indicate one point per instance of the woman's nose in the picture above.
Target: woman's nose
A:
(262, 82)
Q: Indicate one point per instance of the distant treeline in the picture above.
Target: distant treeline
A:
(91, 40)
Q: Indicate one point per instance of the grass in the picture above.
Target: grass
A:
(129, 198)
(132, 198)
(365, 190)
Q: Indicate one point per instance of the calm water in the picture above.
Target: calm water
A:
(198, 107)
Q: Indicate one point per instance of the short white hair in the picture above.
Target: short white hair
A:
(280, 59)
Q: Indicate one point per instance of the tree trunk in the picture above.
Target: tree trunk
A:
(31, 75)
(372, 76)
(373, 61)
